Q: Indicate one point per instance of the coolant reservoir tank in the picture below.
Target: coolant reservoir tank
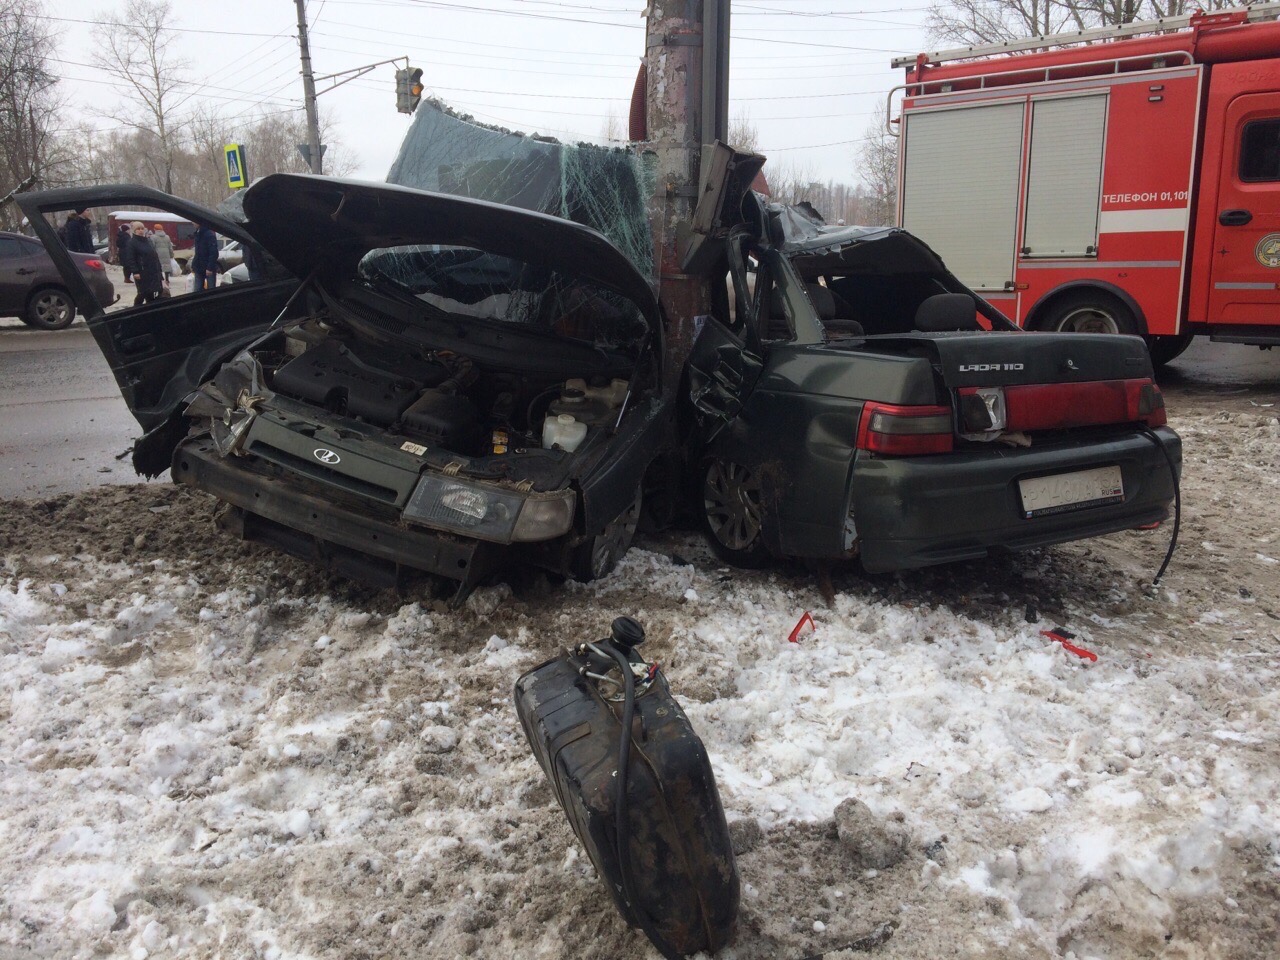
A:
(563, 431)
(610, 392)
(574, 402)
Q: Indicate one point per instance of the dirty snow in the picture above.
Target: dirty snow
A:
(209, 750)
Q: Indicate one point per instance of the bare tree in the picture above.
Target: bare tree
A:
(136, 48)
(790, 180)
(613, 130)
(878, 169)
(272, 144)
(27, 103)
(743, 134)
(199, 171)
(970, 22)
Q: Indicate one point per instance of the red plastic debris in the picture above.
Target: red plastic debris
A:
(800, 624)
(1148, 526)
(1064, 637)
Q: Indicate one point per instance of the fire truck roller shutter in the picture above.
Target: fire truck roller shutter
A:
(1064, 181)
(960, 176)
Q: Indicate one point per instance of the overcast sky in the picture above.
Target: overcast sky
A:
(809, 73)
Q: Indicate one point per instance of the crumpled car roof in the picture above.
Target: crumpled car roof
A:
(804, 232)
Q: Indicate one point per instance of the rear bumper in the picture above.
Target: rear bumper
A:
(284, 515)
(103, 289)
(919, 511)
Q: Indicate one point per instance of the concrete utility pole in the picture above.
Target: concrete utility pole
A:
(309, 91)
(687, 103)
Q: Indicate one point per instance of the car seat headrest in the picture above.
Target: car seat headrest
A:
(947, 311)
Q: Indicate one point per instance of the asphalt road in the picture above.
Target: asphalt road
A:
(63, 424)
(1218, 367)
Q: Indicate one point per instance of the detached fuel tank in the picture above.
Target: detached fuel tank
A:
(678, 857)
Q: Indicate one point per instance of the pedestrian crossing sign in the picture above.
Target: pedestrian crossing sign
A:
(237, 172)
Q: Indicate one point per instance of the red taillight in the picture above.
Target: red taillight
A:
(95, 264)
(1151, 404)
(1060, 406)
(905, 431)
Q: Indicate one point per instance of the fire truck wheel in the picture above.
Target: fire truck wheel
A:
(1089, 311)
(1167, 348)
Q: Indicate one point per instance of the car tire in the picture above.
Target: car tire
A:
(1164, 349)
(1089, 311)
(597, 556)
(50, 308)
(732, 513)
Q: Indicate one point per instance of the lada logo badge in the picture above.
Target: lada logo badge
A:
(1267, 252)
(326, 456)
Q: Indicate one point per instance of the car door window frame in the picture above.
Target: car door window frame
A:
(742, 324)
(1255, 152)
(37, 206)
(804, 326)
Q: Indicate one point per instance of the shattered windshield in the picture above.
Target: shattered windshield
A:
(466, 282)
(605, 188)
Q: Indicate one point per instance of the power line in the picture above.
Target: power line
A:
(178, 83)
(639, 27)
(117, 23)
(470, 44)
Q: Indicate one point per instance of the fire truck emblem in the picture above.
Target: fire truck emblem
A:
(1268, 250)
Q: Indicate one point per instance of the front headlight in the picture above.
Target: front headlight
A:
(545, 517)
(469, 505)
(489, 513)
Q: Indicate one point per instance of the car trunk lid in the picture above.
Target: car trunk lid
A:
(984, 358)
(1014, 385)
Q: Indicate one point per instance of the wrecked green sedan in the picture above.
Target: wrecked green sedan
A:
(849, 397)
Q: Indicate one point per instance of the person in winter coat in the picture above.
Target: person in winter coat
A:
(164, 249)
(204, 258)
(76, 233)
(122, 247)
(140, 259)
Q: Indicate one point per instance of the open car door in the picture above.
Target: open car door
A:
(162, 351)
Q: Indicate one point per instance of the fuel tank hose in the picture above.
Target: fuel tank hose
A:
(620, 804)
(1177, 503)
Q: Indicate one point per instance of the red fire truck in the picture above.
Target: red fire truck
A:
(1125, 184)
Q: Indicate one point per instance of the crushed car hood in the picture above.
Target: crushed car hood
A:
(323, 225)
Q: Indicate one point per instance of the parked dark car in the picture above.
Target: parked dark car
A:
(456, 386)
(847, 399)
(32, 288)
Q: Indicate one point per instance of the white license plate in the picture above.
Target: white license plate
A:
(1071, 491)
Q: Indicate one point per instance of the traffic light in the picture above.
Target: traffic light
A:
(408, 89)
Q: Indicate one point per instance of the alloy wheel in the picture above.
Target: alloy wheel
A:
(51, 310)
(732, 502)
(615, 540)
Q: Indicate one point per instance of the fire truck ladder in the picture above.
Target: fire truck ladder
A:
(1246, 14)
